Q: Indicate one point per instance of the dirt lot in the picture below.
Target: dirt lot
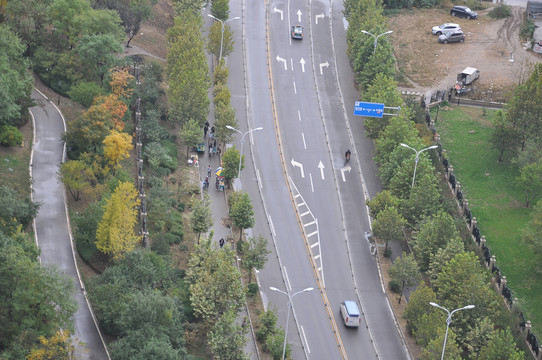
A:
(492, 46)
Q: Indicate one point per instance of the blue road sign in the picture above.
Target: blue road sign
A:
(368, 109)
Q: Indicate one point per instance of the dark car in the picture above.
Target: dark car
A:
(463, 11)
(297, 32)
(456, 36)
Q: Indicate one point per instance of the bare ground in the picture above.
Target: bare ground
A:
(492, 46)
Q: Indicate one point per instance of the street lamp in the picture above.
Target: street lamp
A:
(417, 158)
(59, 89)
(449, 321)
(376, 37)
(290, 298)
(223, 24)
(242, 143)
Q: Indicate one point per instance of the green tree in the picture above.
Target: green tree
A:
(418, 305)
(423, 201)
(381, 201)
(214, 282)
(34, 301)
(201, 219)
(220, 9)
(504, 137)
(151, 130)
(116, 234)
(531, 233)
(435, 233)
(399, 130)
(72, 175)
(463, 282)
(433, 351)
(228, 339)
(529, 182)
(215, 39)
(15, 81)
(404, 270)
(187, 70)
(479, 335)
(191, 134)
(84, 231)
(230, 162)
(224, 117)
(501, 346)
(440, 258)
(15, 206)
(267, 324)
(255, 254)
(382, 90)
(241, 211)
(389, 225)
(221, 73)
(97, 54)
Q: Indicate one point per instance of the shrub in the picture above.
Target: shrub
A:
(274, 345)
(84, 92)
(394, 286)
(10, 136)
(500, 12)
(252, 289)
(387, 252)
(267, 325)
(526, 30)
(241, 246)
(160, 246)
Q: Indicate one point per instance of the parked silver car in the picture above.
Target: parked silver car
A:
(444, 28)
(456, 36)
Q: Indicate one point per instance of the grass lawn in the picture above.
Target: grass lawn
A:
(489, 187)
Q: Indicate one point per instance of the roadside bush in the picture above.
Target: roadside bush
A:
(84, 92)
(274, 345)
(267, 325)
(500, 12)
(526, 30)
(394, 286)
(160, 245)
(10, 136)
(252, 289)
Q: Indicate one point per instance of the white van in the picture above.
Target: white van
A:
(350, 313)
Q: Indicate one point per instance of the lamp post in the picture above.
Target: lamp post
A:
(376, 37)
(242, 143)
(223, 24)
(59, 88)
(49, 71)
(417, 158)
(449, 321)
(290, 298)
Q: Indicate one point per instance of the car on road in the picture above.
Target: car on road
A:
(444, 28)
(463, 11)
(350, 313)
(297, 32)
(456, 36)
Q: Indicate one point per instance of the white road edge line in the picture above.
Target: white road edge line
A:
(295, 90)
(288, 286)
(305, 339)
(271, 225)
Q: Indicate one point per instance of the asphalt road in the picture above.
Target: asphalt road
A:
(51, 223)
(306, 131)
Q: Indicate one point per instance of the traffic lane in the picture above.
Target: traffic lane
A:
(364, 146)
(51, 224)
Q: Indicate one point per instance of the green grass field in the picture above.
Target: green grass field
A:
(489, 187)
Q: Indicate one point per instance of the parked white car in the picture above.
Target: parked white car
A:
(444, 28)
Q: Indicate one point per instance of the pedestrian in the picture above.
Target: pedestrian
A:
(207, 124)
(212, 129)
(214, 144)
(205, 129)
(221, 242)
(209, 170)
(210, 150)
(218, 151)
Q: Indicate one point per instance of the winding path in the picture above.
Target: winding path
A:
(51, 226)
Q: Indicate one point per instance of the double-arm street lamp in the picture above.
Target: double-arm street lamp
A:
(449, 321)
(376, 37)
(242, 143)
(417, 158)
(223, 24)
(290, 298)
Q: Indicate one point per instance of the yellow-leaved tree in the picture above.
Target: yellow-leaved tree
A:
(117, 147)
(115, 234)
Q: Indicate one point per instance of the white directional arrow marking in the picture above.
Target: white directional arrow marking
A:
(302, 62)
(278, 11)
(298, 15)
(326, 64)
(299, 165)
(346, 168)
(279, 59)
(321, 16)
(321, 167)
